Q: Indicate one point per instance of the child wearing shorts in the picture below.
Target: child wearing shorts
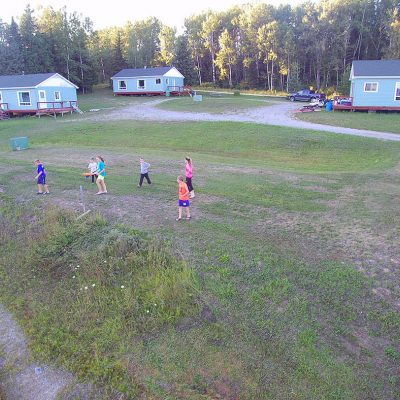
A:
(101, 171)
(92, 167)
(41, 178)
(183, 198)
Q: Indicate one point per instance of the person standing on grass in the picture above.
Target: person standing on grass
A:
(101, 171)
(41, 178)
(144, 172)
(92, 167)
(189, 175)
(183, 198)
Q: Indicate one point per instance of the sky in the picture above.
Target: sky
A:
(117, 12)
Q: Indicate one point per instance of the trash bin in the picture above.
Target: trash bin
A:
(329, 106)
(19, 143)
(167, 93)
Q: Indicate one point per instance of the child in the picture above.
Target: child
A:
(144, 172)
(41, 178)
(92, 167)
(189, 175)
(183, 198)
(101, 171)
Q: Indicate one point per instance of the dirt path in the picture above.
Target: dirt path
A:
(281, 114)
(19, 378)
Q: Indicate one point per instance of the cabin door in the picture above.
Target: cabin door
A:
(42, 99)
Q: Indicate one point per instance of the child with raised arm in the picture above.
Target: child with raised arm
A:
(101, 171)
(41, 178)
(183, 198)
(189, 175)
(144, 172)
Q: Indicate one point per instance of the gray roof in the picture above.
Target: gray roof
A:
(23, 81)
(376, 68)
(135, 72)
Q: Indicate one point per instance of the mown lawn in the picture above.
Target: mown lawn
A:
(359, 120)
(214, 105)
(272, 291)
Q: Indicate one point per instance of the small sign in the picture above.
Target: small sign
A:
(198, 97)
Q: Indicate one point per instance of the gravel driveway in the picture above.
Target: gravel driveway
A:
(281, 114)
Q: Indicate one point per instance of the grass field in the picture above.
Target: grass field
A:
(284, 285)
(358, 120)
(215, 105)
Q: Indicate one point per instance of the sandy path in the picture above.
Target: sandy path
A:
(22, 380)
(281, 114)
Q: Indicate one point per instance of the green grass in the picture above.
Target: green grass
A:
(213, 105)
(262, 292)
(103, 98)
(358, 120)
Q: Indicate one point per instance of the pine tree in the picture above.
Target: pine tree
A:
(184, 61)
(14, 63)
(119, 61)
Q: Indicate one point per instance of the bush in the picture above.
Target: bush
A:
(84, 300)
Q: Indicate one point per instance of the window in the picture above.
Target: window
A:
(122, 85)
(158, 81)
(57, 96)
(370, 86)
(397, 91)
(24, 98)
(141, 84)
(167, 81)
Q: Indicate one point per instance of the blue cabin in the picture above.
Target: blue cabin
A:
(375, 86)
(149, 81)
(48, 93)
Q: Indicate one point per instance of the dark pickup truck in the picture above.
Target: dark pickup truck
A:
(306, 95)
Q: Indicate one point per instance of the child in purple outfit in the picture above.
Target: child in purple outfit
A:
(41, 178)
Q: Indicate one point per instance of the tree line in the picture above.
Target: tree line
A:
(276, 48)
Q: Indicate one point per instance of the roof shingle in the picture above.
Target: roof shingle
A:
(23, 81)
(376, 68)
(135, 72)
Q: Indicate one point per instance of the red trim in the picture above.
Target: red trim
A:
(139, 93)
(365, 108)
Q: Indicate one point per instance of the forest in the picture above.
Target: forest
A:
(274, 48)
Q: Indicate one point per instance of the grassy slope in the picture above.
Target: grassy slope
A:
(279, 318)
(375, 122)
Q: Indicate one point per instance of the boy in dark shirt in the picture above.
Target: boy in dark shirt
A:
(41, 178)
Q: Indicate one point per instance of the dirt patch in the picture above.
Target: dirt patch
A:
(22, 380)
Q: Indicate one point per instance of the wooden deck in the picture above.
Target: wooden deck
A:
(338, 107)
(346, 104)
(51, 108)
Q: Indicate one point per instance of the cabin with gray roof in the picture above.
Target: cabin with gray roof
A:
(375, 86)
(48, 93)
(149, 81)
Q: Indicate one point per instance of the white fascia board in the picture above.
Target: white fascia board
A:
(173, 73)
(19, 88)
(57, 76)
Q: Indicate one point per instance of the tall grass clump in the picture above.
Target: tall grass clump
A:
(87, 292)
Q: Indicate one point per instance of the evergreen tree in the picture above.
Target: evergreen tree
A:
(184, 61)
(13, 59)
(119, 61)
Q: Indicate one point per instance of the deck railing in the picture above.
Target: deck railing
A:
(61, 104)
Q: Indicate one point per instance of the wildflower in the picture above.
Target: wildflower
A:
(105, 262)
(155, 304)
(86, 288)
(73, 277)
(93, 285)
(147, 311)
(122, 286)
(78, 266)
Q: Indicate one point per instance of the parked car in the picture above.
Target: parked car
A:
(306, 95)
